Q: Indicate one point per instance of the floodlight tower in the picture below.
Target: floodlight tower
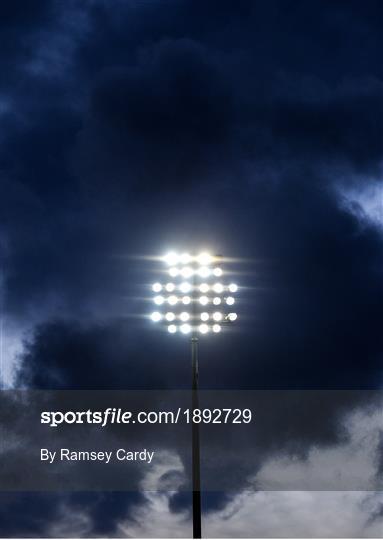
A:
(209, 304)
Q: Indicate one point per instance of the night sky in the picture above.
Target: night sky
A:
(253, 129)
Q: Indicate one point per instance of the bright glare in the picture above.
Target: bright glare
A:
(157, 287)
(204, 259)
(185, 328)
(185, 258)
(185, 287)
(171, 258)
(183, 290)
(187, 272)
(204, 272)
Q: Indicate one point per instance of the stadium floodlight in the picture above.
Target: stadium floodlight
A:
(195, 280)
(204, 287)
(185, 328)
(157, 287)
(171, 258)
(185, 287)
(194, 313)
(204, 259)
(218, 287)
(203, 328)
(186, 272)
(204, 271)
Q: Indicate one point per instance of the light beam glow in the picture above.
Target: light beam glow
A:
(204, 259)
(218, 287)
(185, 287)
(171, 258)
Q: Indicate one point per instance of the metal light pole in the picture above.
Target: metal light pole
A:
(196, 464)
(196, 467)
(204, 316)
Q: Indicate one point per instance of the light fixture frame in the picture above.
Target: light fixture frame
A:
(206, 293)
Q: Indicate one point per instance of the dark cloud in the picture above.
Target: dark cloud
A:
(161, 123)
(128, 127)
(18, 20)
(38, 513)
(69, 355)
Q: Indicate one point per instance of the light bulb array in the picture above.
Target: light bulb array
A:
(194, 283)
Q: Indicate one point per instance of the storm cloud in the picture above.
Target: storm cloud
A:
(254, 129)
